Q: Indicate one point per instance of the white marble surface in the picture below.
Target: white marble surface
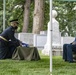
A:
(26, 38)
(56, 37)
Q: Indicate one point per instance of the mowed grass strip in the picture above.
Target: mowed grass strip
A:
(22, 67)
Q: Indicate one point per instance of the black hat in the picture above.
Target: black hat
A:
(14, 20)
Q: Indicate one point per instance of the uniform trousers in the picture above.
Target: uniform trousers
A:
(68, 50)
(6, 49)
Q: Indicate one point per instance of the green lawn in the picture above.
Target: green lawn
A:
(41, 67)
(16, 67)
(63, 68)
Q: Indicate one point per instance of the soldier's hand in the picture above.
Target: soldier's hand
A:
(73, 43)
(20, 43)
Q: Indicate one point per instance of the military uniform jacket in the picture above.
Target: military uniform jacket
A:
(9, 35)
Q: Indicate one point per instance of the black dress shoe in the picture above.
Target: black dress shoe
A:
(66, 60)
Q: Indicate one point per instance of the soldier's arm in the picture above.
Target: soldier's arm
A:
(12, 38)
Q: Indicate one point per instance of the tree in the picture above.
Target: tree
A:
(66, 17)
(26, 15)
(15, 9)
(38, 17)
(1, 16)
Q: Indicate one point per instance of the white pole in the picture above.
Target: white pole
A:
(50, 36)
(3, 15)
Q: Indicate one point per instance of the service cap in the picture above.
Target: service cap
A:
(14, 20)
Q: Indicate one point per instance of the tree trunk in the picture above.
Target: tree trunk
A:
(26, 15)
(38, 18)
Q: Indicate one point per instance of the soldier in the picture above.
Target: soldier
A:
(8, 42)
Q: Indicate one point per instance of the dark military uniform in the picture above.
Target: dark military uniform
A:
(68, 50)
(7, 47)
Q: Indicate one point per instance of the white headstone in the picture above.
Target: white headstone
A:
(55, 27)
(39, 41)
(26, 38)
(56, 37)
(43, 32)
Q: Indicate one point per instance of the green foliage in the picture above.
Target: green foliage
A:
(66, 17)
(13, 10)
(31, 17)
(46, 14)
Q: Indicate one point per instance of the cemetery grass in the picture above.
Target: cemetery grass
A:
(60, 67)
(22, 67)
(41, 67)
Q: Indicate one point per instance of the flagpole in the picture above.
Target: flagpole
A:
(4, 14)
(50, 36)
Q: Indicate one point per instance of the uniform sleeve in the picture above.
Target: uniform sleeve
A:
(75, 40)
(12, 38)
